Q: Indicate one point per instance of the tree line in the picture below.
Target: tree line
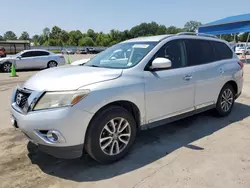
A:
(59, 37)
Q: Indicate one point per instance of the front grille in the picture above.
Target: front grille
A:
(21, 98)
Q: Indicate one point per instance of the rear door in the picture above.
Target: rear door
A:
(40, 59)
(208, 71)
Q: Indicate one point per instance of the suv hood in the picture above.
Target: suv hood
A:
(69, 78)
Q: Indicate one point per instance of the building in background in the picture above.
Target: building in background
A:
(14, 46)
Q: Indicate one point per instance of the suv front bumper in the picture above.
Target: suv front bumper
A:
(70, 123)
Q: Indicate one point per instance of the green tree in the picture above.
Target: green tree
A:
(64, 37)
(161, 30)
(55, 36)
(115, 36)
(228, 37)
(35, 40)
(9, 35)
(46, 33)
(74, 37)
(102, 39)
(86, 41)
(243, 37)
(173, 30)
(191, 26)
(91, 33)
(1, 38)
(24, 36)
(125, 35)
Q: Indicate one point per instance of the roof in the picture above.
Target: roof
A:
(232, 24)
(15, 42)
(30, 50)
(156, 38)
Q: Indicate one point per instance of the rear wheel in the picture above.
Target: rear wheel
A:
(52, 64)
(225, 101)
(111, 134)
(6, 67)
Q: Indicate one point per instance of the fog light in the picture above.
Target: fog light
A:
(13, 122)
(53, 136)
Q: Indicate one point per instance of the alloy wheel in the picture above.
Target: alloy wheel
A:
(115, 136)
(226, 100)
(52, 64)
(7, 67)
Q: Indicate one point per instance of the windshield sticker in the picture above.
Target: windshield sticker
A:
(129, 64)
(141, 46)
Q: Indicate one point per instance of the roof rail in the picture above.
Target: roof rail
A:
(197, 34)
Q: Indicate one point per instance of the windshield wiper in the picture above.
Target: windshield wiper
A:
(93, 65)
(89, 65)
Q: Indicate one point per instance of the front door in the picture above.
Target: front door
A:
(169, 92)
(25, 60)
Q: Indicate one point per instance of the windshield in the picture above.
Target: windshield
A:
(122, 55)
(18, 54)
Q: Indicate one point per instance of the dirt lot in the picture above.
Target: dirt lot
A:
(201, 151)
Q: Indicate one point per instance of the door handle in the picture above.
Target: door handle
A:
(187, 77)
(222, 71)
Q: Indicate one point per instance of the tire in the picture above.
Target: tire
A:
(224, 108)
(97, 131)
(52, 64)
(6, 67)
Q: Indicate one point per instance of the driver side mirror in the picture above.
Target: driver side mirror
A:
(160, 63)
(19, 57)
(113, 58)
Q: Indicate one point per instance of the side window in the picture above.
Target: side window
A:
(40, 53)
(199, 52)
(222, 51)
(27, 54)
(174, 51)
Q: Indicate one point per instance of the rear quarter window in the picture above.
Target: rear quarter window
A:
(222, 51)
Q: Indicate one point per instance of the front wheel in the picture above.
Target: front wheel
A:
(225, 101)
(6, 67)
(111, 134)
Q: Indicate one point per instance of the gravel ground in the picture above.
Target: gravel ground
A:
(200, 151)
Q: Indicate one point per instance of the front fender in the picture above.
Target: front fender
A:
(111, 91)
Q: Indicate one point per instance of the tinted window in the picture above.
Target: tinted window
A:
(199, 52)
(174, 51)
(40, 53)
(222, 51)
(27, 54)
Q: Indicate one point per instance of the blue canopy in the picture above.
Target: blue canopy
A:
(229, 25)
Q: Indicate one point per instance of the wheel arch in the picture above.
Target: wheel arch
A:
(128, 105)
(233, 84)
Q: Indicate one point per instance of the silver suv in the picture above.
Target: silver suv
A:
(101, 105)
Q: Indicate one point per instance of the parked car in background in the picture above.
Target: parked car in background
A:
(82, 51)
(240, 50)
(32, 59)
(135, 85)
(68, 51)
(94, 50)
(2, 52)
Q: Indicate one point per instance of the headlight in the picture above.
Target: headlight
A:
(60, 99)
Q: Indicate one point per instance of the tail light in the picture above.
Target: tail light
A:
(61, 56)
(241, 64)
